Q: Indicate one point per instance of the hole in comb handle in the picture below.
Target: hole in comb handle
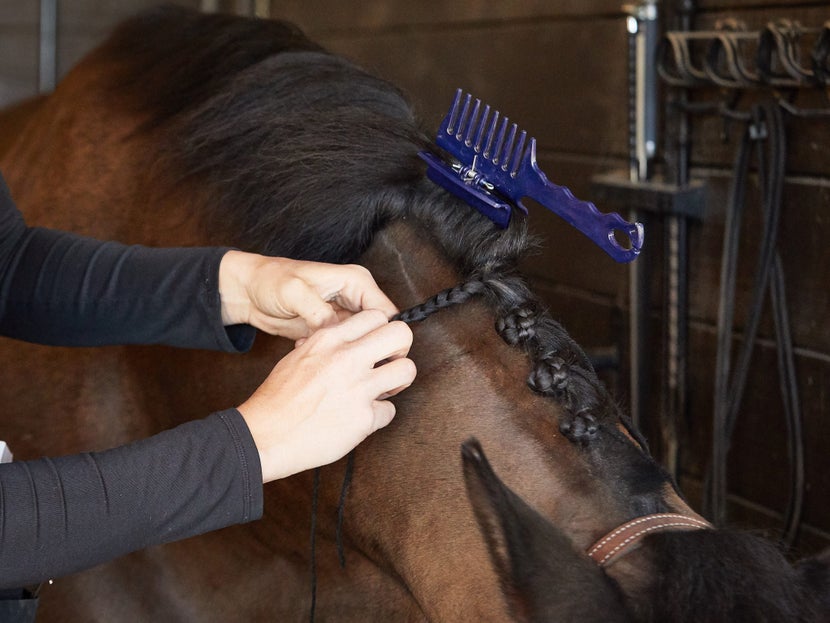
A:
(622, 239)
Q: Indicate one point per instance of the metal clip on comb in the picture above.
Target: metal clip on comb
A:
(492, 171)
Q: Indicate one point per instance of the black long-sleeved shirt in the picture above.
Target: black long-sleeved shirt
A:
(60, 515)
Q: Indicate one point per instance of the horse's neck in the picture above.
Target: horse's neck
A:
(468, 383)
(407, 265)
(14, 119)
(74, 161)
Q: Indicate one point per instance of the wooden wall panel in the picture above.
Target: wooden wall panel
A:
(18, 62)
(547, 77)
(718, 5)
(18, 50)
(804, 230)
(758, 466)
(85, 23)
(322, 16)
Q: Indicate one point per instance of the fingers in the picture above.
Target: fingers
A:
(391, 378)
(384, 412)
(307, 303)
(330, 393)
(391, 340)
(294, 298)
(377, 352)
(359, 325)
(360, 291)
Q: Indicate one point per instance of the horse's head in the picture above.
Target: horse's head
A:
(704, 575)
(492, 363)
(543, 576)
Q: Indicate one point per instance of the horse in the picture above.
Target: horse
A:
(207, 129)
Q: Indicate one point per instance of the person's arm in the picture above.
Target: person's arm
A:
(65, 514)
(61, 515)
(63, 289)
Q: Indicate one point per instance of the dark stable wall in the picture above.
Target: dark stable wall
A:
(559, 69)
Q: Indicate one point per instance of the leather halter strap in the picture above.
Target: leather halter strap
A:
(626, 537)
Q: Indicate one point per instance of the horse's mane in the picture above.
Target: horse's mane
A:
(698, 580)
(304, 154)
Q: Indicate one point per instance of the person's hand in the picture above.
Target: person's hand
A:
(329, 394)
(293, 298)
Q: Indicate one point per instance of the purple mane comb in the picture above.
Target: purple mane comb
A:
(492, 171)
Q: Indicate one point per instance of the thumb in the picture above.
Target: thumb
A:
(384, 412)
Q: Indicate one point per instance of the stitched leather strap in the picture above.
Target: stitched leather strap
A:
(625, 537)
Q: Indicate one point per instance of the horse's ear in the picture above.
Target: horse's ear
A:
(815, 575)
(543, 577)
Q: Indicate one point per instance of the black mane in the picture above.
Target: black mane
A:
(303, 153)
(709, 575)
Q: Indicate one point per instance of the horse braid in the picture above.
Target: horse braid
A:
(550, 377)
(553, 376)
(517, 327)
(446, 298)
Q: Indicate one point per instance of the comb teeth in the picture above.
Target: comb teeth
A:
(493, 168)
(497, 143)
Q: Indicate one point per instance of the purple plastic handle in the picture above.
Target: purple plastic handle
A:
(602, 228)
(493, 172)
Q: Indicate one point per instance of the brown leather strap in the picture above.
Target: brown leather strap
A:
(625, 537)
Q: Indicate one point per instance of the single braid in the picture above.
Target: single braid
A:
(561, 370)
(445, 298)
(576, 391)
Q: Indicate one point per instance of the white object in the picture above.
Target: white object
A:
(5, 453)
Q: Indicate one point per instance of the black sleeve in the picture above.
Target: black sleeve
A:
(58, 516)
(63, 289)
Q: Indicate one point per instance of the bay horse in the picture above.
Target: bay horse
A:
(192, 129)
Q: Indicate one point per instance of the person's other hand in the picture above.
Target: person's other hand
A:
(329, 394)
(294, 298)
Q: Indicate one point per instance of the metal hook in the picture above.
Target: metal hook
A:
(724, 63)
(675, 59)
(778, 48)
